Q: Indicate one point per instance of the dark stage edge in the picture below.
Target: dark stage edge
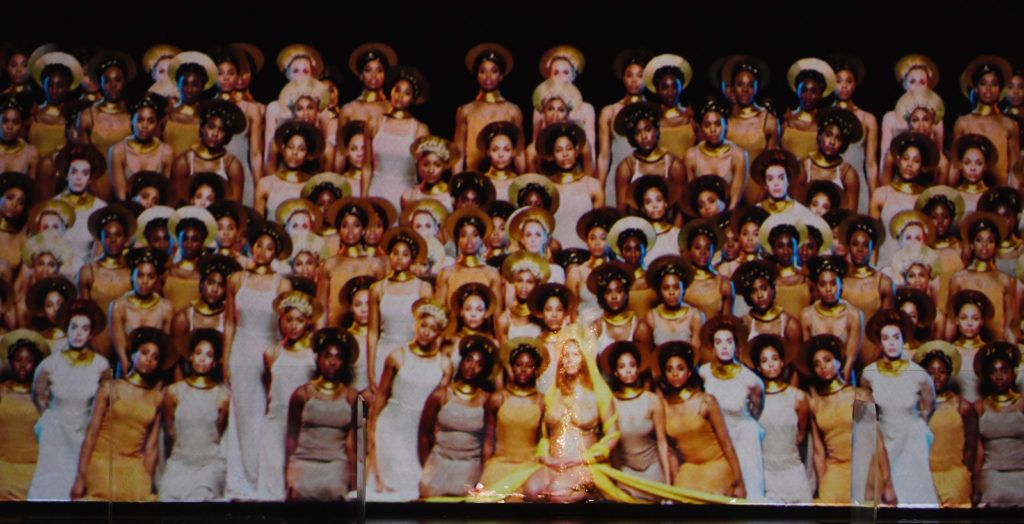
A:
(171, 513)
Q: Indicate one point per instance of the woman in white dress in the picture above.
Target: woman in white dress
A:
(740, 394)
(862, 154)
(63, 390)
(561, 148)
(289, 364)
(390, 299)
(651, 199)
(411, 373)
(785, 418)
(195, 412)
(613, 147)
(250, 303)
(530, 230)
(611, 283)
(905, 396)
(393, 135)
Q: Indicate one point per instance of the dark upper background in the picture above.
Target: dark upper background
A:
(434, 36)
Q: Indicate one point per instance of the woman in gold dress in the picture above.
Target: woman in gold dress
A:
(108, 122)
(667, 76)
(21, 351)
(57, 74)
(811, 79)
(119, 453)
(193, 73)
(15, 201)
(982, 233)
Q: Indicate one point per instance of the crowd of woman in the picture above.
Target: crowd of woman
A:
(723, 302)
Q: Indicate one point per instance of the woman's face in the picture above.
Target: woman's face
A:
(749, 237)
(227, 77)
(820, 204)
(295, 152)
(471, 366)
(725, 346)
(860, 248)
(427, 330)
(535, 237)
(1001, 375)
(910, 308)
(356, 150)
(430, 168)
(565, 153)
(570, 358)
(782, 249)
(942, 218)
(402, 95)
(306, 110)
(17, 68)
(921, 121)
(10, 125)
(79, 174)
(372, 75)
(555, 111)
(79, 331)
(984, 245)
(524, 369)
(654, 206)
(45, 265)
(469, 239)
(553, 313)
(646, 135)
(626, 369)
(293, 324)
(488, 76)
(52, 303)
(361, 307)
(264, 250)
(144, 124)
(632, 251)
(830, 141)
(701, 250)
(615, 295)
(112, 84)
(374, 231)
(190, 86)
(146, 359)
(671, 290)
(969, 321)
(23, 364)
(918, 277)
(597, 242)
(203, 358)
(730, 244)
(909, 163)
(203, 197)
(846, 84)
(677, 372)
(424, 224)
(708, 204)
(213, 288)
(147, 197)
(939, 372)
(191, 243)
(633, 79)
(763, 294)
(826, 367)
(227, 231)
(973, 165)
(561, 69)
(500, 152)
(810, 92)
(145, 279)
(299, 68)
(159, 239)
(350, 230)
(305, 265)
(892, 341)
(669, 88)
(916, 80)
(400, 256)
(213, 133)
(830, 287)
(776, 181)
(987, 89)
(808, 249)
(300, 223)
(523, 282)
(770, 363)
(12, 203)
(56, 87)
(712, 128)
(912, 236)
(744, 88)
(329, 362)
(323, 200)
(159, 71)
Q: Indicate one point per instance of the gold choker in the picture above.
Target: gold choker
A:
(833, 311)
(136, 379)
(470, 261)
(1003, 400)
(862, 272)
(985, 109)
(714, 151)
(79, 357)
(12, 149)
(702, 274)
(652, 157)
(422, 352)
(892, 368)
(292, 176)
(620, 319)
(970, 343)
(629, 392)
(834, 386)
(687, 393)
(200, 381)
(114, 262)
(359, 330)
(205, 309)
(905, 187)
(401, 276)
(326, 386)
(490, 97)
(567, 177)
(520, 392)
(144, 303)
(463, 390)
(725, 371)
(371, 96)
(671, 314)
(500, 174)
(770, 315)
(262, 269)
(774, 386)
(973, 188)
(981, 266)
(819, 160)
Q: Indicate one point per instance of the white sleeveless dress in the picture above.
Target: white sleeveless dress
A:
(575, 201)
(744, 430)
(398, 425)
(907, 437)
(395, 172)
(291, 370)
(621, 149)
(195, 471)
(61, 428)
(256, 331)
(397, 326)
(785, 476)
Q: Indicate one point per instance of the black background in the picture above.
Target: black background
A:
(434, 36)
